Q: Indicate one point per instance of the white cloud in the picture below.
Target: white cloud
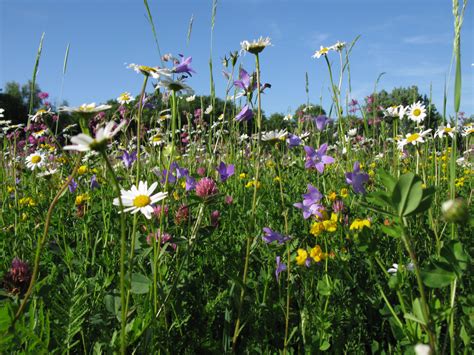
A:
(316, 39)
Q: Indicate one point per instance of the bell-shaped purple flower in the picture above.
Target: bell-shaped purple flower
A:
(321, 121)
(310, 204)
(357, 179)
(293, 140)
(271, 236)
(184, 66)
(225, 171)
(317, 159)
(245, 114)
(128, 159)
(280, 267)
(244, 81)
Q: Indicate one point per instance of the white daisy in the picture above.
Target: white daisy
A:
(413, 138)
(208, 110)
(2, 110)
(140, 199)
(35, 160)
(274, 136)
(86, 108)
(84, 142)
(125, 98)
(174, 85)
(417, 112)
(39, 133)
(155, 72)
(256, 46)
(191, 98)
(442, 130)
(322, 51)
(395, 111)
(288, 117)
(338, 46)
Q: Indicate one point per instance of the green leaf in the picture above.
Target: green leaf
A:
(140, 284)
(324, 287)
(418, 311)
(324, 345)
(393, 230)
(407, 194)
(455, 256)
(411, 317)
(388, 180)
(437, 275)
(426, 201)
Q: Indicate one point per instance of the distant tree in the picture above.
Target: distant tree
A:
(402, 96)
(18, 100)
(311, 109)
(276, 121)
(15, 110)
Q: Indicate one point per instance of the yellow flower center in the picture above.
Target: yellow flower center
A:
(416, 112)
(156, 138)
(413, 137)
(35, 159)
(448, 129)
(141, 201)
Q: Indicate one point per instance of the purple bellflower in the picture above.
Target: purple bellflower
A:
(321, 122)
(245, 81)
(245, 114)
(271, 236)
(293, 140)
(225, 171)
(317, 159)
(128, 158)
(357, 179)
(184, 66)
(280, 267)
(310, 204)
(94, 184)
(72, 186)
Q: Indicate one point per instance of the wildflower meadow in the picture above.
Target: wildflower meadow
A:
(170, 222)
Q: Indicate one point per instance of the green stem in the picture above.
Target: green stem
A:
(123, 344)
(139, 119)
(42, 241)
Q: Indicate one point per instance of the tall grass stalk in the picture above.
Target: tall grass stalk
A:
(33, 80)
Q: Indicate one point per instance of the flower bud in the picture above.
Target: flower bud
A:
(455, 211)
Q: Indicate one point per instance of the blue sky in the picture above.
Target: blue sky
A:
(409, 40)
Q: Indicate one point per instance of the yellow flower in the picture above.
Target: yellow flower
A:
(183, 184)
(10, 189)
(316, 254)
(81, 199)
(359, 224)
(372, 165)
(242, 176)
(331, 224)
(252, 183)
(344, 192)
(301, 257)
(24, 216)
(459, 182)
(176, 195)
(276, 179)
(270, 164)
(27, 202)
(82, 170)
(371, 173)
(317, 228)
(332, 196)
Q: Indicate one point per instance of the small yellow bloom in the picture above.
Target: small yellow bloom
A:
(372, 165)
(344, 192)
(276, 179)
(27, 202)
(270, 164)
(331, 224)
(371, 173)
(301, 257)
(183, 184)
(316, 254)
(176, 195)
(332, 196)
(317, 228)
(81, 199)
(243, 176)
(83, 169)
(360, 224)
(24, 216)
(10, 189)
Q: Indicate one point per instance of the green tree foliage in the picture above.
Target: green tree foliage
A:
(16, 98)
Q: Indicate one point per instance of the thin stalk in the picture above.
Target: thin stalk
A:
(42, 241)
(123, 335)
(139, 117)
